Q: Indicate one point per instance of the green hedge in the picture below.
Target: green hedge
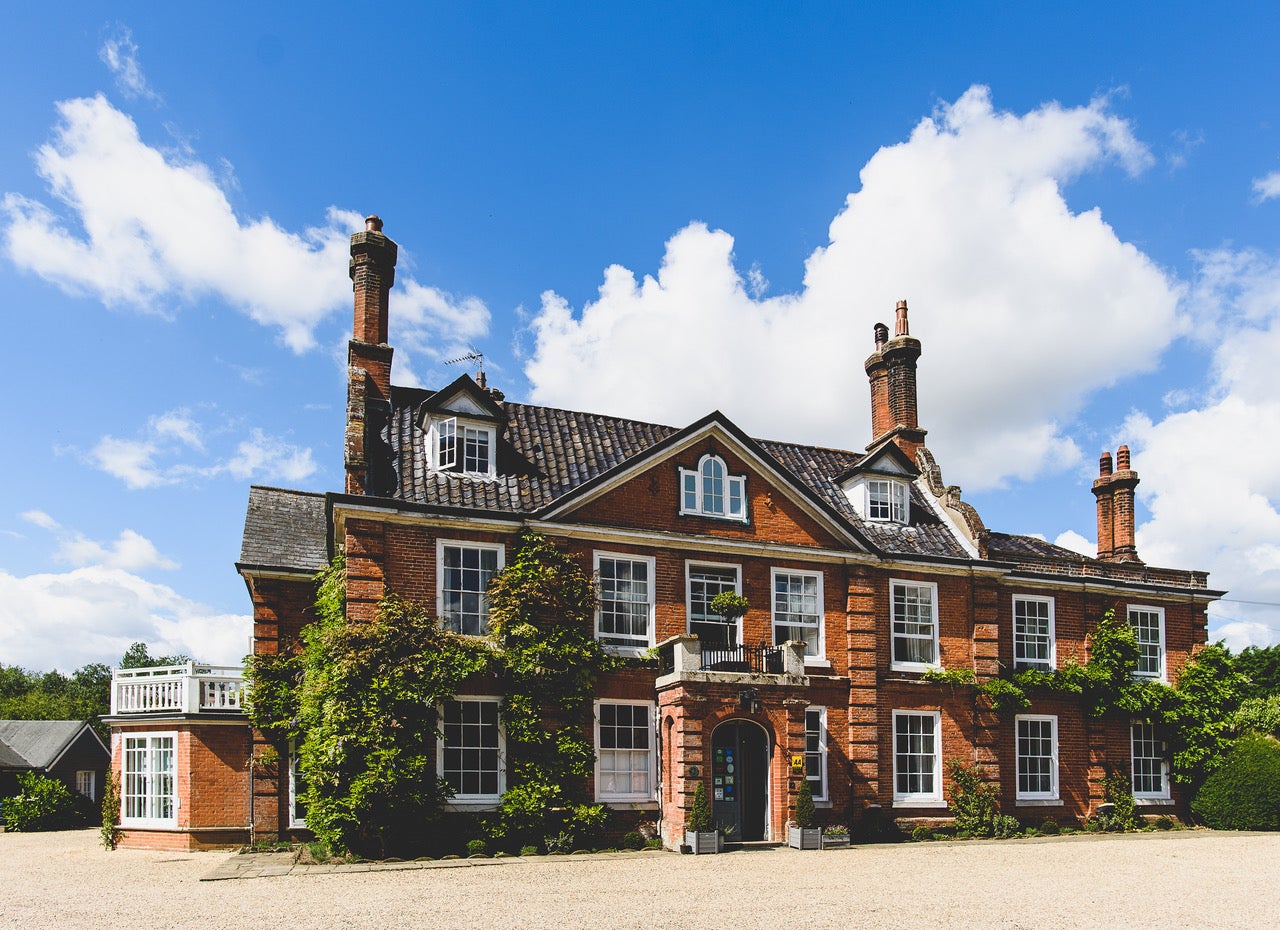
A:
(44, 803)
(1244, 793)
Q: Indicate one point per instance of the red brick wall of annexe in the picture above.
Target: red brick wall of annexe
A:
(212, 789)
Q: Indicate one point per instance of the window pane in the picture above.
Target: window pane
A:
(915, 754)
(1032, 634)
(913, 624)
(1146, 624)
(712, 486)
(705, 583)
(797, 615)
(466, 573)
(625, 602)
(1037, 752)
(623, 750)
(471, 761)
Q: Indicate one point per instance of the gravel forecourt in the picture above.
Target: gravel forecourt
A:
(1186, 880)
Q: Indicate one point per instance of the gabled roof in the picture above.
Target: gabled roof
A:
(284, 531)
(464, 397)
(546, 454)
(885, 459)
(38, 743)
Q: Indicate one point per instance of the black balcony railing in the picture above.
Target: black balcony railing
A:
(758, 660)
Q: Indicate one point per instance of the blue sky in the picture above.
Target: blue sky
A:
(646, 209)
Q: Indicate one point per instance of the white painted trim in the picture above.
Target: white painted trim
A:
(918, 799)
(149, 736)
(945, 515)
(823, 749)
(727, 480)
(1163, 645)
(635, 649)
(461, 425)
(441, 543)
(651, 717)
(1053, 630)
(1053, 793)
(937, 638)
(294, 823)
(1163, 796)
(465, 800)
(688, 591)
(821, 645)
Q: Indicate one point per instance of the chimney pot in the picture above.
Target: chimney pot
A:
(900, 322)
(1122, 458)
(882, 334)
(1104, 465)
(373, 223)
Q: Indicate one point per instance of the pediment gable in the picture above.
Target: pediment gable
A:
(887, 459)
(462, 398)
(649, 491)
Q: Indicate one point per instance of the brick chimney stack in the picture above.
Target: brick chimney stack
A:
(891, 370)
(1114, 491)
(373, 272)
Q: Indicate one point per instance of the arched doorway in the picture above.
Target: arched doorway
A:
(740, 751)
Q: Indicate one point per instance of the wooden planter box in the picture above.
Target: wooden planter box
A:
(809, 838)
(835, 842)
(703, 843)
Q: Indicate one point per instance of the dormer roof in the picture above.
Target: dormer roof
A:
(462, 398)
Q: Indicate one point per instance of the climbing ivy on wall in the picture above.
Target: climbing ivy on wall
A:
(361, 697)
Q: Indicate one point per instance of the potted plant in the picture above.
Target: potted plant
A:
(801, 833)
(835, 837)
(700, 833)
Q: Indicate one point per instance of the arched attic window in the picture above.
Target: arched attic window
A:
(711, 491)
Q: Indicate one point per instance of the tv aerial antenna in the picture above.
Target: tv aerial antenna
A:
(473, 356)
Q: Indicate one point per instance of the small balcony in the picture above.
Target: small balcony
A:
(177, 689)
(686, 658)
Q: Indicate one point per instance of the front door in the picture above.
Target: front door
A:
(740, 779)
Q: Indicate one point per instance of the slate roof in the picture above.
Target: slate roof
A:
(35, 743)
(547, 452)
(1011, 546)
(284, 530)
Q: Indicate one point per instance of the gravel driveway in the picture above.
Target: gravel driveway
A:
(1194, 879)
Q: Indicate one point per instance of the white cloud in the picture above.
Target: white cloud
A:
(130, 551)
(1211, 474)
(263, 456)
(1266, 187)
(157, 458)
(1076, 543)
(149, 229)
(1237, 634)
(1009, 291)
(92, 614)
(120, 55)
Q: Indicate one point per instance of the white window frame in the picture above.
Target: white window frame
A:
(1052, 793)
(820, 752)
(441, 545)
(1164, 794)
(152, 798)
(1159, 674)
(295, 822)
(697, 502)
(689, 566)
(637, 647)
(894, 635)
(87, 783)
(819, 653)
(897, 500)
(650, 793)
(919, 798)
(462, 430)
(1020, 638)
(482, 799)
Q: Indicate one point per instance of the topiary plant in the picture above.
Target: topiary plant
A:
(805, 810)
(1244, 793)
(700, 820)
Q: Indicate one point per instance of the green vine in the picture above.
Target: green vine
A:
(541, 608)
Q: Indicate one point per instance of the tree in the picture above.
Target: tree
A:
(137, 656)
(1261, 665)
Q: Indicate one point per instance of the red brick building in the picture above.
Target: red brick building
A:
(862, 570)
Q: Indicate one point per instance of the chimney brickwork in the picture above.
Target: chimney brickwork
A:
(891, 371)
(373, 273)
(1115, 493)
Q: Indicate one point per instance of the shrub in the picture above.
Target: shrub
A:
(974, 802)
(921, 833)
(700, 814)
(528, 850)
(1115, 789)
(476, 848)
(1164, 823)
(1005, 826)
(1050, 828)
(633, 840)
(42, 803)
(1260, 714)
(1244, 793)
(805, 810)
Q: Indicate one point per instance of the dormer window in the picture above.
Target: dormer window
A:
(887, 500)
(712, 492)
(459, 446)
